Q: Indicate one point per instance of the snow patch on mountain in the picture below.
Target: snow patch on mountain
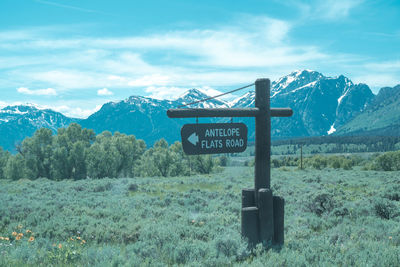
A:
(311, 84)
(332, 129)
(284, 82)
(343, 95)
(347, 89)
(247, 99)
(194, 95)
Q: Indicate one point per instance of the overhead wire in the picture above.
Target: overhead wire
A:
(212, 97)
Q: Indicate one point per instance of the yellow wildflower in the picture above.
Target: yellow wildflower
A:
(18, 237)
(72, 239)
(83, 241)
(14, 233)
(28, 231)
(31, 239)
(78, 237)
(6, 238)
(19, 226)
(59, 245)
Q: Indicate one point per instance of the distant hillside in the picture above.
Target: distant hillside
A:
(146, 118)
(19, 122)
(381, 117)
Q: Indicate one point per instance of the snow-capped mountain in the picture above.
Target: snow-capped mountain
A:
(246, 100)
(18, 122)
(194, 95)
(35, 115)
(321, 105)
(146, 118)
(295, 80)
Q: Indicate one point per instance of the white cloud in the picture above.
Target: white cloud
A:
(386, 66)
(104, 91)
(3, 104)
(379, 74)
(70, 79)
(377, 80)
(214, 92)
(234, 55)
(72, 110)
(150, 80)
(76, 8)
(328, 10)
(251, 42)
(172, 93)
(27, 91)
(336, 9)
(75, 112)
(164, 92)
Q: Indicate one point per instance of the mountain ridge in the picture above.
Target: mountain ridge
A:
(382, 115)
(321, 106)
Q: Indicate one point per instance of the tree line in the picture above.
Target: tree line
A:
(76, 153)
(345, 144)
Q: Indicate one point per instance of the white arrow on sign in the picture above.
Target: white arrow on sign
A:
(193, 138)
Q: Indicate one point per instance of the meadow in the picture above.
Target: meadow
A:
(333, 217)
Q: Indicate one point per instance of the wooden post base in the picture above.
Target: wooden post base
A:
(250, 225)
(265, 223)
(279, 212)
(266, 216)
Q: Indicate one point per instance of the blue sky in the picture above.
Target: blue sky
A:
(74, 55)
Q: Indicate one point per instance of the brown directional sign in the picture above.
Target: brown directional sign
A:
(214, 138)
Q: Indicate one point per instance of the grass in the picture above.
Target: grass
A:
(332, 218)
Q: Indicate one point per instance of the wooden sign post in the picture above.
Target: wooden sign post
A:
(262, 213)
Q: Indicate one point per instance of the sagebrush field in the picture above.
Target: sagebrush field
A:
(332, 217)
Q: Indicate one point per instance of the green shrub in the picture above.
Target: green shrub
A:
(317, 162)
(320, 162)
(4, 155)
(15, 168)
(389, 161)
(103, 187)
(320, 203)
(385, 209)
(335, 162)
(223, 161)
(76, 153)
(329, 220)
(393, 193)
(133, 187)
